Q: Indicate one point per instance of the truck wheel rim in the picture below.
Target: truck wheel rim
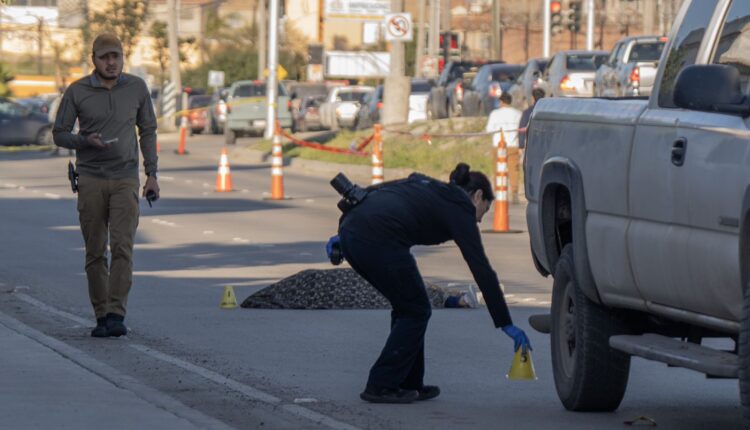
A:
(567, 338)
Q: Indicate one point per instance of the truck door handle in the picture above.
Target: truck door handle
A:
(679, 147)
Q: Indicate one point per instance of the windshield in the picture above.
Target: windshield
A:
(199, 101)
(255, 90)
(352, 96)
(646, 51)
(585, 62)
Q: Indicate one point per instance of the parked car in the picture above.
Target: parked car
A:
(20, 125)
(299, 91)
(40, 105)
(640, 210)
(420, 92)
(247, 109)
(198, 113)
(482, 96)
(307, 117)
(342, 105)
(571, 73)
(531, 77)
(631, 67)
(446, 96)
(217, 112)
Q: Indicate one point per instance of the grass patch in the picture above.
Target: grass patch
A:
(26, 148)
(436, 158)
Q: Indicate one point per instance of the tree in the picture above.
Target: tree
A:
(125, 18)
(5, 77)
(161, 48)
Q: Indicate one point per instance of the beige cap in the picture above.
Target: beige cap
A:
(106, 43)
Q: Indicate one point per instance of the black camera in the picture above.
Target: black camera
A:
(73, 177)
(151, 197)
(351, 194)
(336, 255)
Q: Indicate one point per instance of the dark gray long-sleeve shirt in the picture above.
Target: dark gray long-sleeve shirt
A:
(115, 114)
(424, 211)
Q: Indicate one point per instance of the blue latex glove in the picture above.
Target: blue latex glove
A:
(520, 340)
(329, 246)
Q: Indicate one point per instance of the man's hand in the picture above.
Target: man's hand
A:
(94, 140)
(520, 340)
(151, 185)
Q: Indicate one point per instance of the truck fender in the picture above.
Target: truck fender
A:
(745, 241)
(557, 172)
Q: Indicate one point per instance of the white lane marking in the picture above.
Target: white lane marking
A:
(45, 307)
(247, 390)
(208, 374)
(166, 178)
(52, 195)
(163, 222)
(528, 299)
(544, 303)
(244, 191)
(206, 185)
(240, 240)
(21, 188)
(305, 400)
(510, 295)
(310, 201)
(9, 185)
(208, 232)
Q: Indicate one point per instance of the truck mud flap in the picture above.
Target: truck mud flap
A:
(541, 323)
(671, 351)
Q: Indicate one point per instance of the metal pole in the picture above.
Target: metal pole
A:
(174, 54)
(547, 22)
(590, 26)
(396, 107)
(273, 65)
(420, 39)
(497, 50)
(261, 20)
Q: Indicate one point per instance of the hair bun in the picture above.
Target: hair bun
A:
(460, 175)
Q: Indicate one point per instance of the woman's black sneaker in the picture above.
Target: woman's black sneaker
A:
(428, 392)
(115, 325)
(388, 395)
(101, 328)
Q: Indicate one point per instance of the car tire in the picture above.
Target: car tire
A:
(439, 107)
(744, 358)
(44, 137)
(230, 137)
(589, 375)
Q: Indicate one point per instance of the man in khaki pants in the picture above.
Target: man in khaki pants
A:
(108, 105)
(506, 118)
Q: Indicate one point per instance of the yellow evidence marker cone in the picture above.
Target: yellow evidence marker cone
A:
(522, 367)
(229, 301)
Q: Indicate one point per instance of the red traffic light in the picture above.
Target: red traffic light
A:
(555, 7)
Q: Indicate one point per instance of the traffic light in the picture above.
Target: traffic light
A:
(555, 8)
(574, 24)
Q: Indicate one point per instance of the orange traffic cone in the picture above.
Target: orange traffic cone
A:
(183, 132)
(500, 222)
(223, 177)
(377, 156)
(277, 166)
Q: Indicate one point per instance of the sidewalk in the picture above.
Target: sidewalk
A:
(44, 386)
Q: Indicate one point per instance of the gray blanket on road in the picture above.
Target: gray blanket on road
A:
(328, 289)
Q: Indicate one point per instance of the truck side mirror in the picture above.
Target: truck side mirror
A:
(712, 88)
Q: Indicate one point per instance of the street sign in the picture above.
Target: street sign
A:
(215, 78)
(398, 27)
(281, 73)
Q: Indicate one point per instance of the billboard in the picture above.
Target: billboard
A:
(370, 9)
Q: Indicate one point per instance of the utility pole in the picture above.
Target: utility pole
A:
(273, 67)
(497, 43)
(420, 39)
(434, 40)
(590, 26)
(261, 21)
(547, 22)
(397, 88)
(648, 17)
(174, 54)
(40, 45)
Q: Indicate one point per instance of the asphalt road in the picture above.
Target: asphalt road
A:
(292, 368)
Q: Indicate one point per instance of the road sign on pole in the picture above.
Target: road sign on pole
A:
(215, 78)
(398, 27)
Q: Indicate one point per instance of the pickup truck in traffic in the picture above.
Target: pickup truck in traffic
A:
(631, 67)
(247, 110)
(640, 210)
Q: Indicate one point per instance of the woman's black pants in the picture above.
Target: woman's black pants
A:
(392, 270)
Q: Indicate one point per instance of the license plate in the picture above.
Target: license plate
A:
(259, 123)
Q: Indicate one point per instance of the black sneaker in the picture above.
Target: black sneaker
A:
(388, 395)
(115, 326)
(101, 328)
(428, 392)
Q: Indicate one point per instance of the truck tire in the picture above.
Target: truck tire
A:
(230, 137)
(438, 105)
(744, 352)
(589, 375)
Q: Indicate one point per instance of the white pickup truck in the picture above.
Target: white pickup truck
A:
(640, 210)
